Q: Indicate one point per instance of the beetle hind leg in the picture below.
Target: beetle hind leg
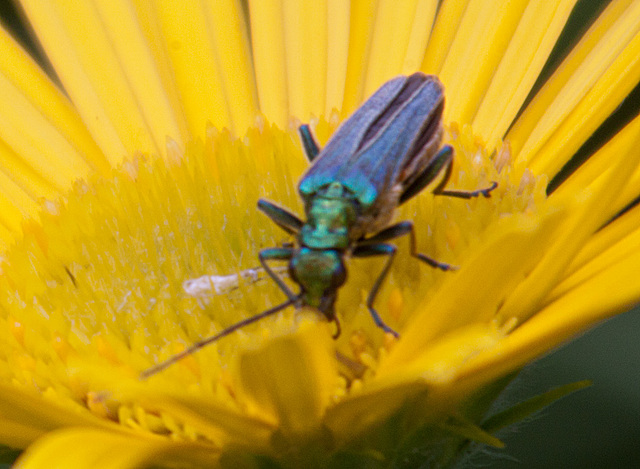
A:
(442, 161)
(486, 192)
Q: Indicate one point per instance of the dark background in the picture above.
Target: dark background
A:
(595, 428)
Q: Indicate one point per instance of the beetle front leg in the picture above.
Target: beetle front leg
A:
(277, 254)
(280, 216)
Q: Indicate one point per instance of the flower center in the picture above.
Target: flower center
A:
(94, 293)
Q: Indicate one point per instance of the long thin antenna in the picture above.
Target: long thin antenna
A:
(203, 343)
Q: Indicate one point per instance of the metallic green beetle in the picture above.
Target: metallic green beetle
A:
(384, 154)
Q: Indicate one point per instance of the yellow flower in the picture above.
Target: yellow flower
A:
(122, 184)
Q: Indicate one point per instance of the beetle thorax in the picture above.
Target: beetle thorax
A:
(331, 214)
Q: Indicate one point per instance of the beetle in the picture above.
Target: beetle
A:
(387, 152)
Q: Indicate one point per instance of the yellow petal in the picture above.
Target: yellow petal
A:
(356, 414)
(545, 97)
(392, 33)
(587, 87)
(129, 44)
(605, 260)
(83, 55)
(15, 203)
(619, 231)
(434, 367)
(439, 362)
(226, 24)
(191, 53)
(421, 29)
(63, 148)
(608, 293)
(267, 41)
(216, 422)
(363, 18)
(28, 416)
(597, 165)
(81, 447)
(588, 215)
(337, 53)
(528, 50)
(17, 434)
(305, 36)
(450, 15)
(35, 150)
(479, 287)
(292, 377)
(478, 47)
(594, 172)
(39, 147)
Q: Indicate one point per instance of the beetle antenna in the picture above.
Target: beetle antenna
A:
(203, 343)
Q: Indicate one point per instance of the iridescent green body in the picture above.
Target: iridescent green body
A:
(383, 155)
(331, 214)
(324, 238)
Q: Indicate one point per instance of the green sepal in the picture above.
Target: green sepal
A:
(402, 442)
(521, 411)
(8, 456)
(470, 431)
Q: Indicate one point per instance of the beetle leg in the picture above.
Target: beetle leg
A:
(469, 194)
(311, 148)
(281, 216)
(442, 161)
(446, 158)
(401, 229)
(209, 340)
(277, 254)
(369, 250)
(336, 334)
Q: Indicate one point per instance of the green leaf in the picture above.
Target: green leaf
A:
(524, 409)
(470, 431)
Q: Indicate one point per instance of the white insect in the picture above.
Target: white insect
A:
(207, 285)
